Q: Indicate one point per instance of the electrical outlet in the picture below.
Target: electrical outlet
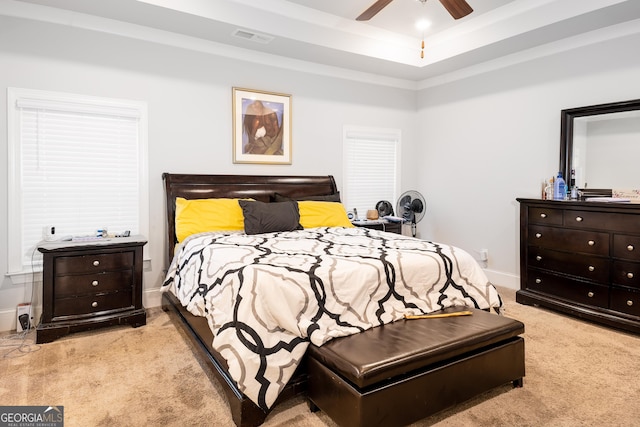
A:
(23, 317)
(49, 233)
(484, 254)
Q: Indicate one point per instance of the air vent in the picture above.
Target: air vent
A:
(254, 37)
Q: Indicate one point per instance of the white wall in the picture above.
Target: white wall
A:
(470, 146)
(189, 100)
(488, 139)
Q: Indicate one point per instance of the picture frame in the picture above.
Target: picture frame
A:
(261, 127)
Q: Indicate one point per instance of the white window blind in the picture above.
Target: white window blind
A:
(371, 158)
(79, 164)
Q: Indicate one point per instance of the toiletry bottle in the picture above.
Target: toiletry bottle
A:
(549, 189)
(574, 192)
(559, 190)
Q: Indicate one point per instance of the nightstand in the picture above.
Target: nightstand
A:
(379, 224)
(91, 284)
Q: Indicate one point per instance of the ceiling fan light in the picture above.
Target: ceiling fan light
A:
(422, 24)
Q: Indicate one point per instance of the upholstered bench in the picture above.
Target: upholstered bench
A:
(398, 373)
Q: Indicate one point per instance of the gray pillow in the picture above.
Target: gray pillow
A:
(260, 217)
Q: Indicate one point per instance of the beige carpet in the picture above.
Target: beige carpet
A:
(577, 374)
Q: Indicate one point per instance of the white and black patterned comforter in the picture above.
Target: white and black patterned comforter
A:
(267, 296)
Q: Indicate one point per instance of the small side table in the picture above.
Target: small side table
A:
(91, 284)
(380, 224)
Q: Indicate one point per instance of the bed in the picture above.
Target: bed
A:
(336, 280)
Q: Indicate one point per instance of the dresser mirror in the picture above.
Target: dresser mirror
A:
(601, 144)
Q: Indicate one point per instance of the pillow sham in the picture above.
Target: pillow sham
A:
(200, 215)
(260, 217)
(277, 197)
(322, 214)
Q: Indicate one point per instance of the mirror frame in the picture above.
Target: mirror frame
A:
(566, 132)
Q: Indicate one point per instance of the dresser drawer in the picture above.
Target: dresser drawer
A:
(625, 301)
(626, 273)
(568, 289)
(91, 304)
(588, 267)
(82, 284)
(589, 242)
(601, 221)
(626, 247)
(545, 216)
(92, 263)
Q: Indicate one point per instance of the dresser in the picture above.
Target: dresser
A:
(87, 285)
(583, 259)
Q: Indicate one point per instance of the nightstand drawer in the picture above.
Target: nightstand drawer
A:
(388, 226)
(66, 286)
(91, 304)
(91, 263)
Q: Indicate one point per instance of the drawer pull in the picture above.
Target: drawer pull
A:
(543, 215)
(579, 218)
(592, 268)
(94, 304)
(630, 248)
(591, 243)
(629, 303)
(590, 294)
(94, 283)
(538, 258)
(96, 263)
(538, 235)
(629, 275)
(538, 281)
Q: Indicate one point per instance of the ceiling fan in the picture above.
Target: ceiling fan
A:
(457, 8)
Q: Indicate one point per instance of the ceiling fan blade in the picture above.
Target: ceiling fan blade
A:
(457, 8)
(373, 10)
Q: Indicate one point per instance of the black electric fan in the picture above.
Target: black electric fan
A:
(411, 207)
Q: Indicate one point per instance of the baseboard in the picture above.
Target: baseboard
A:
(8, 320)
(500, 278)
(150, 298)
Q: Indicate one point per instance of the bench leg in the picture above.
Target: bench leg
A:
(518, 383)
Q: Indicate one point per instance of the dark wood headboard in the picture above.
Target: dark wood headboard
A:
(258, 187)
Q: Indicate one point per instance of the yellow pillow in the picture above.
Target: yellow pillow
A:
(322, 214)
(200, 215)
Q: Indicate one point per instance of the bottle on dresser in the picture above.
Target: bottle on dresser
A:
(548, 190)
(559, 188)
(574, 187)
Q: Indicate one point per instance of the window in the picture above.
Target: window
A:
(371, 164)
(77, 163)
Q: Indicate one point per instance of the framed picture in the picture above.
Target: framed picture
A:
(261, 127)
